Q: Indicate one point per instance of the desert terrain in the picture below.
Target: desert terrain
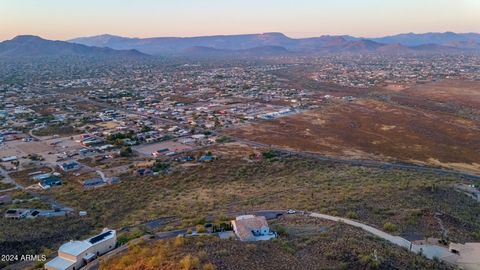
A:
(372, 129)
(460, 92)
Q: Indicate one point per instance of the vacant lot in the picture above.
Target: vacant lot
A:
(34, 147)
(148, 149)
(463, 93)
(62, 130)
(369, 129)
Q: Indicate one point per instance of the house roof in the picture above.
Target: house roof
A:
(93, 181)
(246, 224)
(74, 248)
(59, 263)
(51, 180)
(70, 165)
(107, 234)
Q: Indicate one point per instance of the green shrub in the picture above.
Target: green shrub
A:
(352, 215)
(389, 227)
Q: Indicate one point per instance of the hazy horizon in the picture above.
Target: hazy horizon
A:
(63, 20)
(235, 34)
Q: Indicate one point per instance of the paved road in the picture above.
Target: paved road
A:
(268, 214)
(393, 239)
(171, 234)
(95, 265)
(30, 132)
(430, 251)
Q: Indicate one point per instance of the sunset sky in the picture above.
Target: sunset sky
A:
(64, 19)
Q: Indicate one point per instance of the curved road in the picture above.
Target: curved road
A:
(430, 251)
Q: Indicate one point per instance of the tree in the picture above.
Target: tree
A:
(126, 151)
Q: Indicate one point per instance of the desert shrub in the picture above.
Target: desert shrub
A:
(371, 261)
(476, 235)
(126, 237)
(200, 229)
(126, 152)
(209, 266)
(282, 231)
(352, 215)
(179, 241)
(389, 227)
(189, 262)
(160, 166)
(269, 154)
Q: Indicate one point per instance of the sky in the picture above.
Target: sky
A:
(65, 19)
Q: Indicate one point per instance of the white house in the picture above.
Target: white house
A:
(252, 228)
(75, 254)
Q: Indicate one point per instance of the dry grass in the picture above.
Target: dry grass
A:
(309, 244)
(375, 130)
(461, 92)
(228, 186)
(221, 189)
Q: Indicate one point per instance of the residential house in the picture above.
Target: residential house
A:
(93, 183)
(112, 180)
(40, 177)
(9, 159)
(16, 213)
(160, 152)
(75, 254)
(70, 166)
(252, 228)
(50, 181)
(206, 158)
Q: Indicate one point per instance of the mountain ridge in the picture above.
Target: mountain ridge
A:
(245, 45)
(447, 41)
(30, 46)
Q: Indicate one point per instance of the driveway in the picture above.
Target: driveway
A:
(430, 251)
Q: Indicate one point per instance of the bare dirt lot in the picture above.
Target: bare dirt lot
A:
(148, 149)
(34, 147)
(466, 93)
(369, 129)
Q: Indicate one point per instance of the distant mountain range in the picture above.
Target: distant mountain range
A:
(268, 44)
(445, 39)
(273, 43)
(27, 46)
